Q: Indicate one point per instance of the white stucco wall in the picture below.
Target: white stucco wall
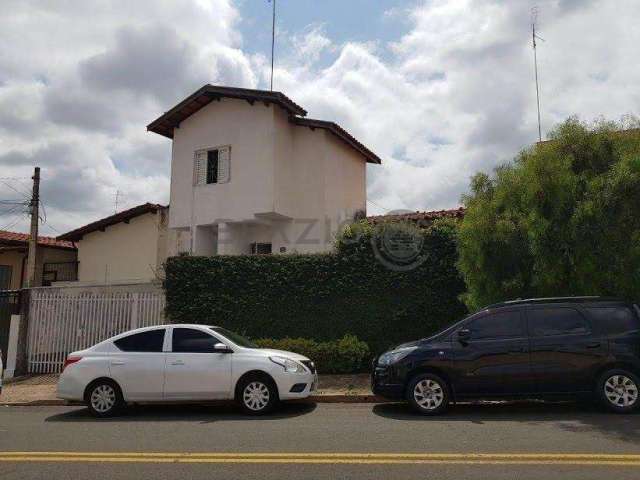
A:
(289, 186)
(123, 252)
(249, 131)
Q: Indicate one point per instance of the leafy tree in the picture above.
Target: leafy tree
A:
(562, 219)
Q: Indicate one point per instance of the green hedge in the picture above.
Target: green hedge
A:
(322, 296)
(346, 355)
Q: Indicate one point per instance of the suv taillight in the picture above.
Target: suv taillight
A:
(70, 360)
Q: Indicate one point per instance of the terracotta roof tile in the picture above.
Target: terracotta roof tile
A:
(419, 217)
(18, 239)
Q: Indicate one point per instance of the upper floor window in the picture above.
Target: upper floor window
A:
(212, 165)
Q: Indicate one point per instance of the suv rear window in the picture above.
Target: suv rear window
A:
(545, 322)
(150, 341)
(615, 320)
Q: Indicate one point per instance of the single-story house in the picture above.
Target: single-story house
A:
(127, 247)
(56, 260)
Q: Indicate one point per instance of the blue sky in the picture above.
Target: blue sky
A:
(342, 20)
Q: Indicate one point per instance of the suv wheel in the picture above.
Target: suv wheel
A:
(257, 395)
(618, 390)
(104, 399)
(428, 394)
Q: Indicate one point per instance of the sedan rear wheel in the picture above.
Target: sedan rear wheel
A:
(104, 398)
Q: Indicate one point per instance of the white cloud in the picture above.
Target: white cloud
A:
(455, 94)
(452, 96)
(80, 81)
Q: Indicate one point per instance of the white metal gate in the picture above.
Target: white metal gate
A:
(62, 321)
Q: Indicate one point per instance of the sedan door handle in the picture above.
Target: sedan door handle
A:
(117, 362)
(517, 350)
(177, 362)
(593, 345)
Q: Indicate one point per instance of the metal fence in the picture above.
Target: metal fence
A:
(63, 320)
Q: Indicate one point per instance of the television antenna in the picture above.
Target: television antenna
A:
(534, 37)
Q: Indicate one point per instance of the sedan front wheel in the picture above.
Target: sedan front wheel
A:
(257, 395)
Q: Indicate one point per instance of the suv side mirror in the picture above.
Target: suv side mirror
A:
(221, 348)
(464, 335)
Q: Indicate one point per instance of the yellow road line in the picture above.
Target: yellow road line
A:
(329, 458)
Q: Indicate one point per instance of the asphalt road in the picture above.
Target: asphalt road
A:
(327, 441)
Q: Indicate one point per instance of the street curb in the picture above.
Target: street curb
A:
(314, 399)
(39, 403)
(346, 399)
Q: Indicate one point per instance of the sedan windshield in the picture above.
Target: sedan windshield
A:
(234, 337)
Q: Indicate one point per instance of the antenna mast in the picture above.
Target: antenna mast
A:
(534, 19)
(273, 39)
(115, 207)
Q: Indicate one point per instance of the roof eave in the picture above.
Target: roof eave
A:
(339, 132)
(165, 123)
(103, 223)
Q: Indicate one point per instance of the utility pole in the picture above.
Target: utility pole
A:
(33, 238)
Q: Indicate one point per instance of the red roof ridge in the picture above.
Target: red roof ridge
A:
(420, 216)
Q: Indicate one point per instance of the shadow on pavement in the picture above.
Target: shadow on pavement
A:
(567, 416)
(203, 413)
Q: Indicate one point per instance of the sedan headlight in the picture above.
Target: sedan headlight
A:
(394, 356)
(290, 366)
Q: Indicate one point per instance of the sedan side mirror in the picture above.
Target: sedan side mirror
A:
(221, 348)
(464, 335)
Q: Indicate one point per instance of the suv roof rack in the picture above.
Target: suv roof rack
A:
(593, 298)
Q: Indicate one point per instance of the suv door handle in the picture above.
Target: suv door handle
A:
(177, 362)
(117, 362)
(593, 345)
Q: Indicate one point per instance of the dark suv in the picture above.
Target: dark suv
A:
(545, 347)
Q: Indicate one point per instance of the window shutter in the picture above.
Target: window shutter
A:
(200, 167)
(224, 164)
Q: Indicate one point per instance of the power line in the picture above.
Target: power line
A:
(13, 222)
(15, 189)
(378, 205)
(51, 227)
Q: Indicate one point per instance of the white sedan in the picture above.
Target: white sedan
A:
(171, 363)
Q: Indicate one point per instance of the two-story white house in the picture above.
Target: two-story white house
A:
(251, 174)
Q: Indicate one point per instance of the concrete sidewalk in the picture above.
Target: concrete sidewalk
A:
(41, 390)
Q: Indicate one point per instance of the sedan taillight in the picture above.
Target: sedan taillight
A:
(70, 360)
